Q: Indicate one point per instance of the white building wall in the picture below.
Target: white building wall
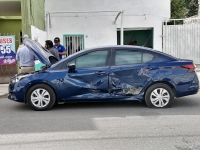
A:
(98, 28)
(39, 35)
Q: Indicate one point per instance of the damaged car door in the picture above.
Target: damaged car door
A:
(87, 76)
(129, 72)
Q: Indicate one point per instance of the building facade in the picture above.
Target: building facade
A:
(18, 17)
(88, 24)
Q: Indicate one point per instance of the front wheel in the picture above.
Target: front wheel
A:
(159, 96)
(41, 97)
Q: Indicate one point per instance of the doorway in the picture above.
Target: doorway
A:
(137, 36)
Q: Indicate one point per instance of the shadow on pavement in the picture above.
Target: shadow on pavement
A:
(100, 105)
(179, 104)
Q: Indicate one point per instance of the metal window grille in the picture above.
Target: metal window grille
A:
(74, 44)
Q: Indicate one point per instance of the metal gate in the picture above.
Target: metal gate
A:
(181, 38)
(74, 43)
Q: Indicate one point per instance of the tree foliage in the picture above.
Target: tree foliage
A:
(192, 6)
(184, 8)
(178, 9)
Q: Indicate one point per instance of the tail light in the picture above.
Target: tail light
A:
(190, 67)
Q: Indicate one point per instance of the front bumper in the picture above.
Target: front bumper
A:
(12, 97)
(15, 93)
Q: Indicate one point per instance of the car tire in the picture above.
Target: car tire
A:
(41, 97)
(159, 95)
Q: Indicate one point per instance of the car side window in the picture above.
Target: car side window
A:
(147, 57)
(92, 59)
(128, 57)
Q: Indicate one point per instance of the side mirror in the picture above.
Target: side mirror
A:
(71, 67)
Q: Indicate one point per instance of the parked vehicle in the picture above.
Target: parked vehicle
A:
(119, 73)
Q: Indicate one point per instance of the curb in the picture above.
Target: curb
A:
(3, 90)
(4, 95)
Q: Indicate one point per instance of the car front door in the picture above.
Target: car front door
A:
(89, 80)
(129, 72)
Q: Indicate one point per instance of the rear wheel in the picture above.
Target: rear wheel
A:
(159, 96)
(41, 97)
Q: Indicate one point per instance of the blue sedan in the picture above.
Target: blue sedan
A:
(117, 73)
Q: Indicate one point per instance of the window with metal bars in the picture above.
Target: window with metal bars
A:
(73, 43)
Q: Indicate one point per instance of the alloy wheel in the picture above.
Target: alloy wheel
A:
(160, 97)
(40, 98)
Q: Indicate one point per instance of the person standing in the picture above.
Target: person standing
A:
(49, 46)
(59, 47)
(26, 59)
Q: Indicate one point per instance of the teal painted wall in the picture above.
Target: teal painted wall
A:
(141, 36)
(38, 66)
(11, 26)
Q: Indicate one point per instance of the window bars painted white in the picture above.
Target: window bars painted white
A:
(73, 44)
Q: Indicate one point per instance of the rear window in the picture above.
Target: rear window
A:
(167, 56)
(128, 57)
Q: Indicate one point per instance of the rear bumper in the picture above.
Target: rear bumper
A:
(187, 93)
(188, 88)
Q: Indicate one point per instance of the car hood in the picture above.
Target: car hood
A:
(43, 55)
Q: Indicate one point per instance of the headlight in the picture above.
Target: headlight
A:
(17, 78)
(12, 80)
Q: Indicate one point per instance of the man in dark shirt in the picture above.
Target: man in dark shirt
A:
(49, 46)
(60, 48)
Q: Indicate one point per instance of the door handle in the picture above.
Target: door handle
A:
(99, 73)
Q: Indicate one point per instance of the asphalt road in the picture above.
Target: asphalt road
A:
(101, 126)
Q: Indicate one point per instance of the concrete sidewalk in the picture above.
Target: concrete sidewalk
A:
(4, 87)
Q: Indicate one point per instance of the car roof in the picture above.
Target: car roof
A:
(118, 47)
(115, 46)
(147, 49)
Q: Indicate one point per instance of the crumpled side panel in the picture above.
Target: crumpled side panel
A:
(130, 82)
(83, 83)
(83, 86)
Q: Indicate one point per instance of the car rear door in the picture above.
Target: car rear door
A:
(130, 71)
(90, 78)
